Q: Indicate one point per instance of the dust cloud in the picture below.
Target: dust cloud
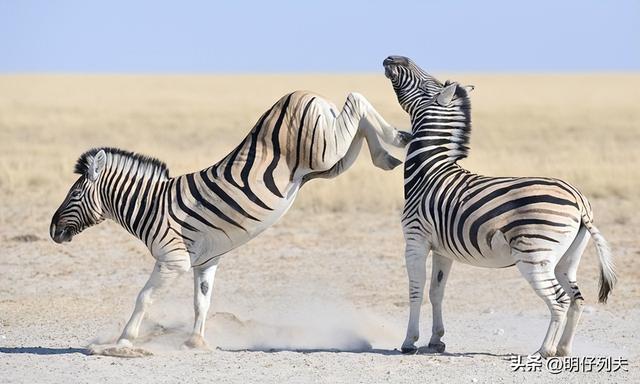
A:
(286, 323)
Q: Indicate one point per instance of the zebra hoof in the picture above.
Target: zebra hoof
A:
(124, 343)
(393, 162)
(196, 342)
(403, 138)
(545, 353)
(409, 350)
(563, 351)
(386, 161)
(437, 347)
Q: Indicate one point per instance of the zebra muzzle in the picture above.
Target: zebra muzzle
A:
(391, 64)
(59, 235)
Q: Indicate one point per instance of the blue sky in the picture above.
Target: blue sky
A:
(327, 36)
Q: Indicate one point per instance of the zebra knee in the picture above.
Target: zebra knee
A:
(355, 97)
(416, 289)
(357, 103)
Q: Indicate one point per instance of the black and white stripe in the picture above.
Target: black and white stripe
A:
(191, 220)
(539, 225)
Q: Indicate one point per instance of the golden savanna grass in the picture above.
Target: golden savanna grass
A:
(581, 128)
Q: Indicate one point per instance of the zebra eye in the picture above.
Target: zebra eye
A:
(76, 193)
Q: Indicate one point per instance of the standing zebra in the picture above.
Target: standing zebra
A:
(191, 220)
(539, 225)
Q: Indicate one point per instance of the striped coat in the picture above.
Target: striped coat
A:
(539, 225)
(190, 221)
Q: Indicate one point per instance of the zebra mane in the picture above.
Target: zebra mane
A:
(82, 165)
(463, 103)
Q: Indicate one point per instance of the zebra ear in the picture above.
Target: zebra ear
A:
(447, 94)
(97, 165)
(469, 88)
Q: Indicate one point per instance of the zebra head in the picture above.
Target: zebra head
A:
(81, 207)
(415, 88)
(409, 81)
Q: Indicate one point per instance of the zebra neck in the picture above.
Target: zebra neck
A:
(440, 137)
(134, 201)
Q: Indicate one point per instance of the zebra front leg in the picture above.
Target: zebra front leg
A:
(341, 165)
(374, 128)
(341, 138)
(539, 272)
(379, 155)
(439, 274)
(161, 275)
(415, 257)
(379, 125)
(202, 286)
(356, 117)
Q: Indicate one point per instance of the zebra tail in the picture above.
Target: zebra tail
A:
(607, 268)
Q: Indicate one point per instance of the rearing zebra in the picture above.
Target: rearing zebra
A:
(539, 225)
(191, 220)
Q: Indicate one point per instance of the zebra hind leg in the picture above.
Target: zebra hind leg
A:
(359, 116)
(439, 274)
(342, 165)
(538, 270)
(566, 273)
(379, 156)
(202, 287)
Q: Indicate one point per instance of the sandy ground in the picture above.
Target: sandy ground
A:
(294, 290)
(320, 297)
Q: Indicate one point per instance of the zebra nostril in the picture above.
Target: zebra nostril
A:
(52, 230)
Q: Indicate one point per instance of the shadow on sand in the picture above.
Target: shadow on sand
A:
(385, 352)
(44, 350)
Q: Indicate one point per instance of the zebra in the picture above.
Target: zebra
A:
(190, 221)
(539, 225)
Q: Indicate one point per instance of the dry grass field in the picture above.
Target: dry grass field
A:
(330, 276)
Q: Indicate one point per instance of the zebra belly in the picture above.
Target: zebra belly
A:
(209, 245)
(498, 255)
